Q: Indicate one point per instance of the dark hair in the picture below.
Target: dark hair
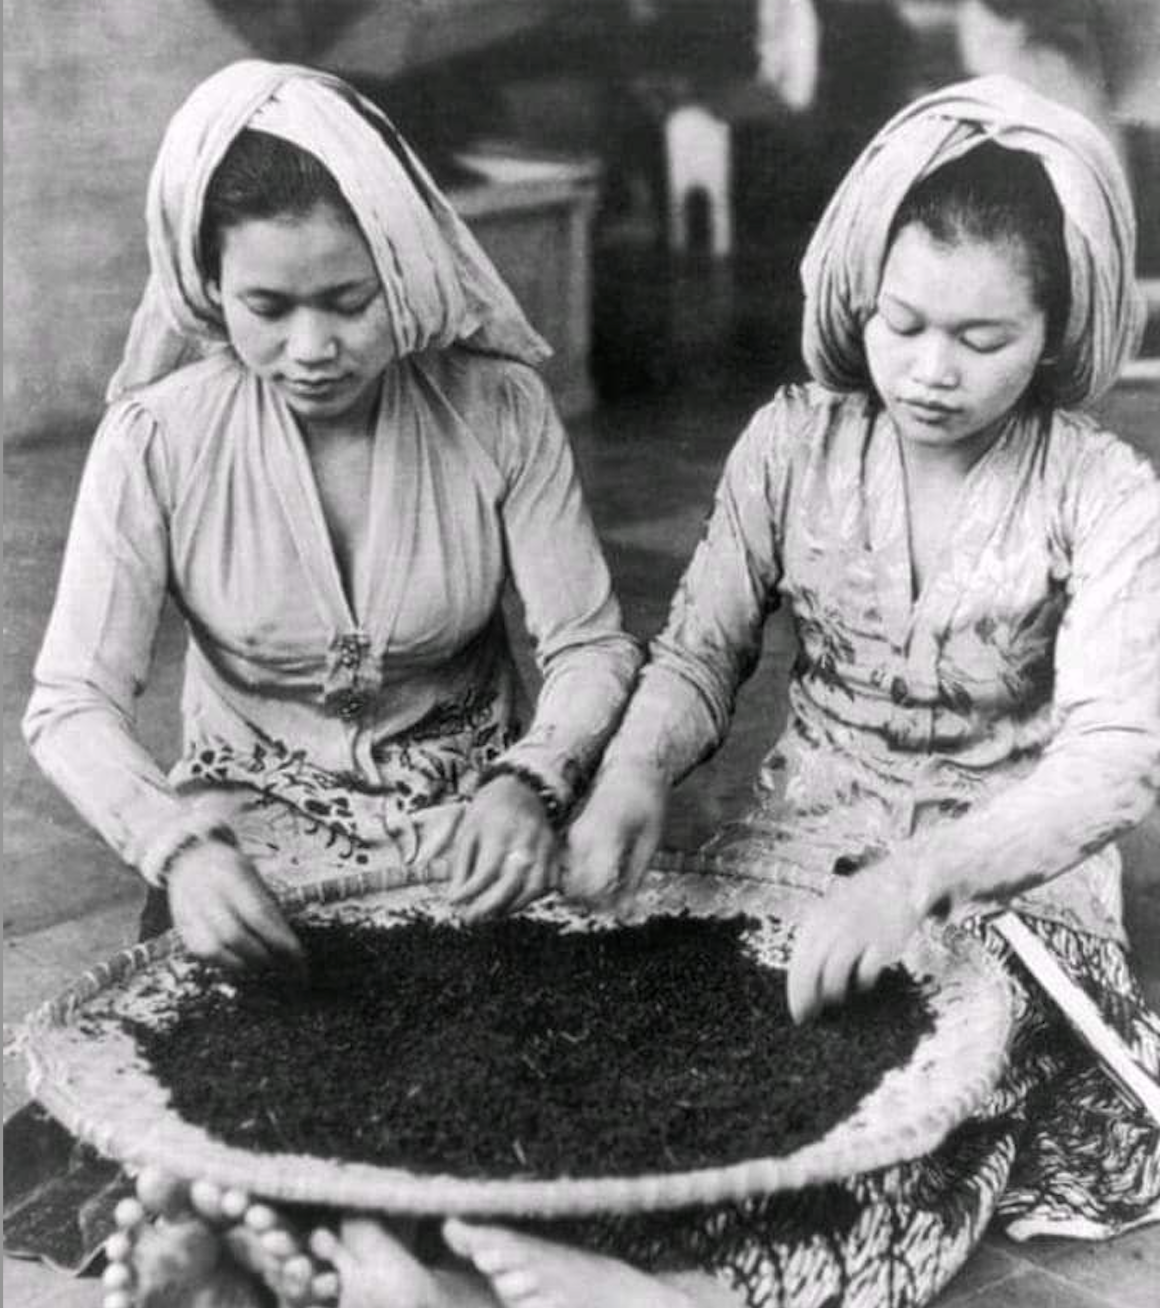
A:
(992, 194)
(262, 176)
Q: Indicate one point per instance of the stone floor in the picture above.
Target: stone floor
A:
(650, 464)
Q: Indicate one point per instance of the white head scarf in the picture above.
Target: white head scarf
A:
(439, 285)
(843, 265)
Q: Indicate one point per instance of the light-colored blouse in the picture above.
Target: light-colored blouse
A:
(200, 486)
(1003, 727)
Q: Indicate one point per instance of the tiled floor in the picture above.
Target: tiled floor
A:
(650, 465)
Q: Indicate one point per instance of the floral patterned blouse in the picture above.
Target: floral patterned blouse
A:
(367, 713)
(1003, 726)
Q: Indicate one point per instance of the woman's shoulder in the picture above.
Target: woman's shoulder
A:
(1080, 450)
(504, 404)
(183, 397)
(1090, 471)
(802, 421)
(167, 426)
(483, 385)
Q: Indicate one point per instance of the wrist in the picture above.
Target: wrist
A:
(531, 782)
(188, 844)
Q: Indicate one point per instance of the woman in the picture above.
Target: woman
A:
(327, 443)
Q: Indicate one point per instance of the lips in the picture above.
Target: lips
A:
(313, 387)
(929, 410)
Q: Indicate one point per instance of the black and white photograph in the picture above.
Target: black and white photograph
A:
(581, 653)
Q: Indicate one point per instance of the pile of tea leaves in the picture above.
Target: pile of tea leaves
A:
(516, 1048)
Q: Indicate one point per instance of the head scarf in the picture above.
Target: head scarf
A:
(843, 264)
(439, 285)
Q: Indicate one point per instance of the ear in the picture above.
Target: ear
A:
(214, 291)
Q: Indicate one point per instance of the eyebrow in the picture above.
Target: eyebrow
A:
(340, 288)
(965, 325)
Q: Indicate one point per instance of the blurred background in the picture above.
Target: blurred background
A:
(646, 174)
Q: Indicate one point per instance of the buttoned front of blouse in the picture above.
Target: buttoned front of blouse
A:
(1017, 697)
(201, 486)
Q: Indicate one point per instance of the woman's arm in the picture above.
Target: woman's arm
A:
(587, 661)
(81, 721)
(1099, 776)
(683, 706)
(506, 846)
(712, 640)
(1101, 773)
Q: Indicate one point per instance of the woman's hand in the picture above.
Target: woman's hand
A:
(505, 850)
(611, 842)
(224, 911)
(849, 937)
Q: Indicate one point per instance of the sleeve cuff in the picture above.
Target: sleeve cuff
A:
(199, 821)
(550, 787)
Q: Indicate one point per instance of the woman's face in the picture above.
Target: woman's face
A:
(955, 337)
(305, 310)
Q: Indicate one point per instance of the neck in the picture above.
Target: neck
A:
(355, 424)
(950, 463)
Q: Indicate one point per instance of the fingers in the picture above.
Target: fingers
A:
(597, 852)
(522, 877)
(226, 914)
(613, 841)
(463, 858)
(870, 967)
(636, 864)
(265, 924)
(504, 853)
(489, 849)
(837, 948)
(812, 950)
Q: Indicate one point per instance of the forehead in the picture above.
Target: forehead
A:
(966, 280)
(296, 253)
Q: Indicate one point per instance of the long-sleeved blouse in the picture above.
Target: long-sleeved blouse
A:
(369, 710)
(1002, 727)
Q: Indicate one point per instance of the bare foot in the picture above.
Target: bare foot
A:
(209, 1246)
(526, 1272)
(180, 1264)
(376, 1270)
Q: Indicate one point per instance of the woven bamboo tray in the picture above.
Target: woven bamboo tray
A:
(86, 1071)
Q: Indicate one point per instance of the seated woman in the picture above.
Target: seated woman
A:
(973, 570)
(329, 446)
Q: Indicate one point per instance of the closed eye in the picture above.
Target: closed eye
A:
(264, 306)
(350, 306)
(985, 343)
(899, 320)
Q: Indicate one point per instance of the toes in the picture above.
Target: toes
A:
(207, 1200)
(162, 1193)
(493, 1249)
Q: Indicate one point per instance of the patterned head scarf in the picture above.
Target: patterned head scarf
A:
(843, 265)
(439, 285)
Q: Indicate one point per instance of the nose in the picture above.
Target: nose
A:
(933, 363)
(311, 338)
